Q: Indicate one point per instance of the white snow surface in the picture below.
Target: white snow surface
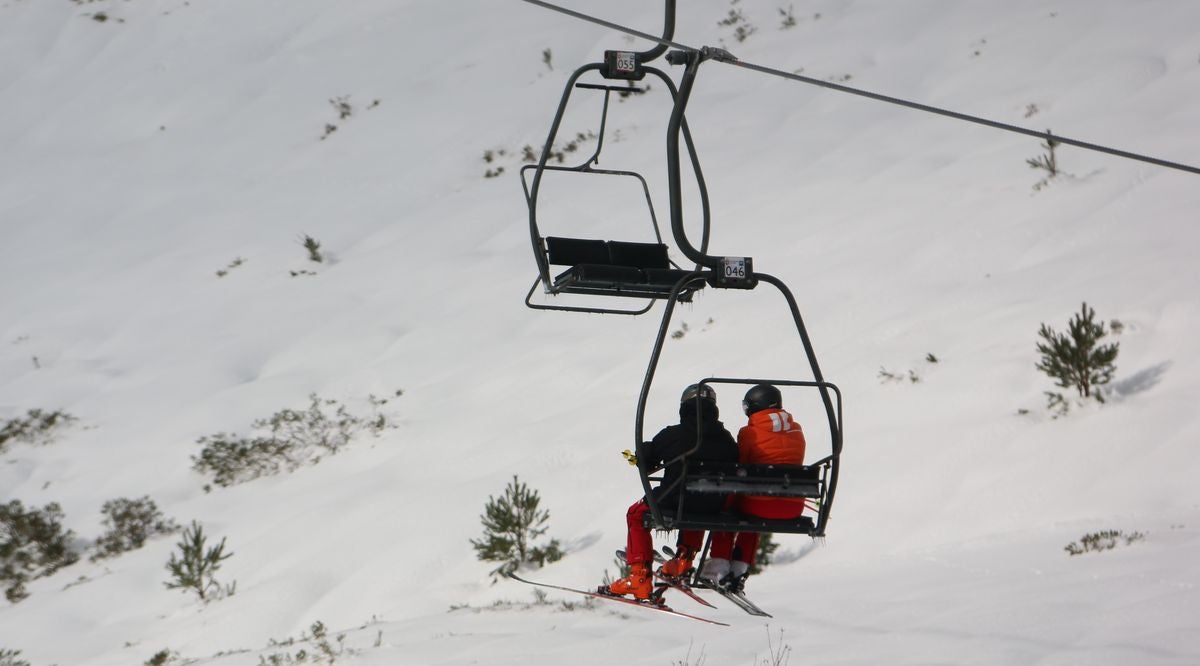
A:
(141, 154)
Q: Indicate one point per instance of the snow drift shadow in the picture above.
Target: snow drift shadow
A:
(789, 556)
(1143, 380)
(581, 543)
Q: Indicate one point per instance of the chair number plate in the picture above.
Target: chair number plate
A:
(733, 268)
(625, 62)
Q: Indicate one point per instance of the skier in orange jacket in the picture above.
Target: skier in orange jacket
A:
(771, 437)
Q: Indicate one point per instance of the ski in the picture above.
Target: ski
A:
(682, 586)
(737, 598)
(623, 600)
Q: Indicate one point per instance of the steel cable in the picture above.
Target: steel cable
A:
(722, 56)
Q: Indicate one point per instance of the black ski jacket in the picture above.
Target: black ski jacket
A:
(716, 444)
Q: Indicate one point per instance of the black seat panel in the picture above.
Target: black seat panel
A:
(641, 255)
(573, 251)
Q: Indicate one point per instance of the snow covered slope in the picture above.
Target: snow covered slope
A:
(142, 154)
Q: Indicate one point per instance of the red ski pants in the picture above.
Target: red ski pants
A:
(743, 546)
(639, 545)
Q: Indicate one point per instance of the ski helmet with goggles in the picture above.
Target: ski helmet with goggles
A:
(702, 391)
(760, 397)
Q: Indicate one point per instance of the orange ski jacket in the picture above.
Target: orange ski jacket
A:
(771, 437)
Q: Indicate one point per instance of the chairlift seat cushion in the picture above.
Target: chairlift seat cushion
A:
(769, 480)
(574, 251)
(641, 255)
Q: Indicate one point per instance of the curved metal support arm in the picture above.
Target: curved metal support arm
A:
(543, 266)
(668, 34)
(674, 178)
(705, 211)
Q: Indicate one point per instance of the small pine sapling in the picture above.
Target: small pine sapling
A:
(1047, 161)
(314, 249)
(194, 566)
(511, 523)
(1076, 359)
(762, 557)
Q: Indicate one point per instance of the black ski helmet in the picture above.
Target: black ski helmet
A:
(703, 391)
(760, 397)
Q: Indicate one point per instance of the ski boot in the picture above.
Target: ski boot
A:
(678, 567)
(637, 583)
(735, 580)
(715, 570)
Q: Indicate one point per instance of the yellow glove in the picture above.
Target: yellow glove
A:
(630, 457)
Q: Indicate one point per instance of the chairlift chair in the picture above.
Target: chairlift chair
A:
(597, 267)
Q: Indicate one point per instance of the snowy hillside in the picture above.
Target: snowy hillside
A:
(143, 154)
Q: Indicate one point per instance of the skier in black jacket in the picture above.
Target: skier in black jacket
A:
(698, 422)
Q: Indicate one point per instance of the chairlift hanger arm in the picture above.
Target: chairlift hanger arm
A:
(668, 32)
(674, 179)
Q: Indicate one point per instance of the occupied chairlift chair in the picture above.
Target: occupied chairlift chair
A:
(815, 481)
(624, 269)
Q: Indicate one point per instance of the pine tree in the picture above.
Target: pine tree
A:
(510, 524)
(195, 568)
(762, 556)
(1076, 359)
